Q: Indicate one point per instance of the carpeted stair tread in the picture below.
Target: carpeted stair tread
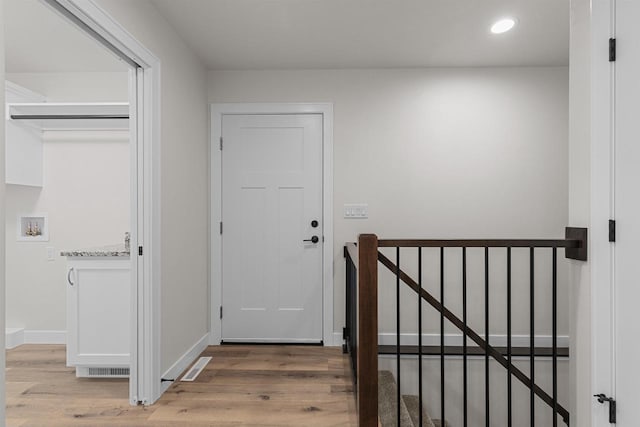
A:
(412, 403)
(387, 407)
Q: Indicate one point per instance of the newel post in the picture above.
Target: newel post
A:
(367, 330)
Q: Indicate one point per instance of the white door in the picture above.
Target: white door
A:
(272, 228)
(626, 289)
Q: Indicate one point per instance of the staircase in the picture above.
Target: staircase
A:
(409, 406)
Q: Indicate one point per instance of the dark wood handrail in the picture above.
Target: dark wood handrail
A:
(480, 243)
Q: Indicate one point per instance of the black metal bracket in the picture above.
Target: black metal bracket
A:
(581, 252)
(612, 50)
(612, 230)
(602, 398)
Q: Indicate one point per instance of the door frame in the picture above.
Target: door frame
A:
(602, 256)
(215, 174)
(144, 101)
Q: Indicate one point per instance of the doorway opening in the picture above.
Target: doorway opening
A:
(137, 270)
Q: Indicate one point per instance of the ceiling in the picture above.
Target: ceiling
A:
(307, 34)
(38, 40)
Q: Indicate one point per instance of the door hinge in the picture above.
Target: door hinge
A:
(221, 312)
(612, 230)
(612, 50)
(220, 227)
(139, 250)
(220, 143)
(602, 398)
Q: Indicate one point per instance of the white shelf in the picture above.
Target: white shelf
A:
(70, 116)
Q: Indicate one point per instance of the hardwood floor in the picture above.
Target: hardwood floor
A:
(242, 385)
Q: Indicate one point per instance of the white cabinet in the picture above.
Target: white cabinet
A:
(98, 315)
(23, 152)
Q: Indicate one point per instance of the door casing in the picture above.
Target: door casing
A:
(215, 170)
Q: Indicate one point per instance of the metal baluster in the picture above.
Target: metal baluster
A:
(554, 337)
(464, 331)
(420, 338)
(486, 329)
(532, 334)
(398, 395)
(442, 389)
(509, 412)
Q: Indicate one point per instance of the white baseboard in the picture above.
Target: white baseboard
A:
(184, 361)
(45, 337)
(337, 340)
(19, 336)
(13, 337)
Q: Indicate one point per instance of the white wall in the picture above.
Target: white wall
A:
(2, 231)
(86, 196)
(451, 153)
(184, 177)
(579, 208)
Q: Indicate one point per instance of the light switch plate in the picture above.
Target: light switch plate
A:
(356, 210)
(51, 253)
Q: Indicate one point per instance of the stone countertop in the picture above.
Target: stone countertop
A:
(102, 251)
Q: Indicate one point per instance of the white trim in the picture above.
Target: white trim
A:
(217, 111)
(45, 337)
(602, 205)
(145, 228)
(497, 340)
(181, 365)
(99, 21)
(13, 337)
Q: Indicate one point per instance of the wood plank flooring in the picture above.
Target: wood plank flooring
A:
(242, 385)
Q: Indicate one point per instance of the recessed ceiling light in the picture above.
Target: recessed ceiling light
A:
(503, 25)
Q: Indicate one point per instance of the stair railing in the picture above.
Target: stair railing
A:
(361, 331)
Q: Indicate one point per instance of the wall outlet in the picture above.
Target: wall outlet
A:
(51, 253)
(356, 211)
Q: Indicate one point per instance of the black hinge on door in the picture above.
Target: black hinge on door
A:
(612, 50)
(612, 230)
(220, 143)
(139, 250)
(220, 227)
(602, 398)
(221, 312)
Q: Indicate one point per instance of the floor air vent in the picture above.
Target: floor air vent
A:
(102, 372)
(195, 370)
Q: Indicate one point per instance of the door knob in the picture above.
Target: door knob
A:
(313, 239)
